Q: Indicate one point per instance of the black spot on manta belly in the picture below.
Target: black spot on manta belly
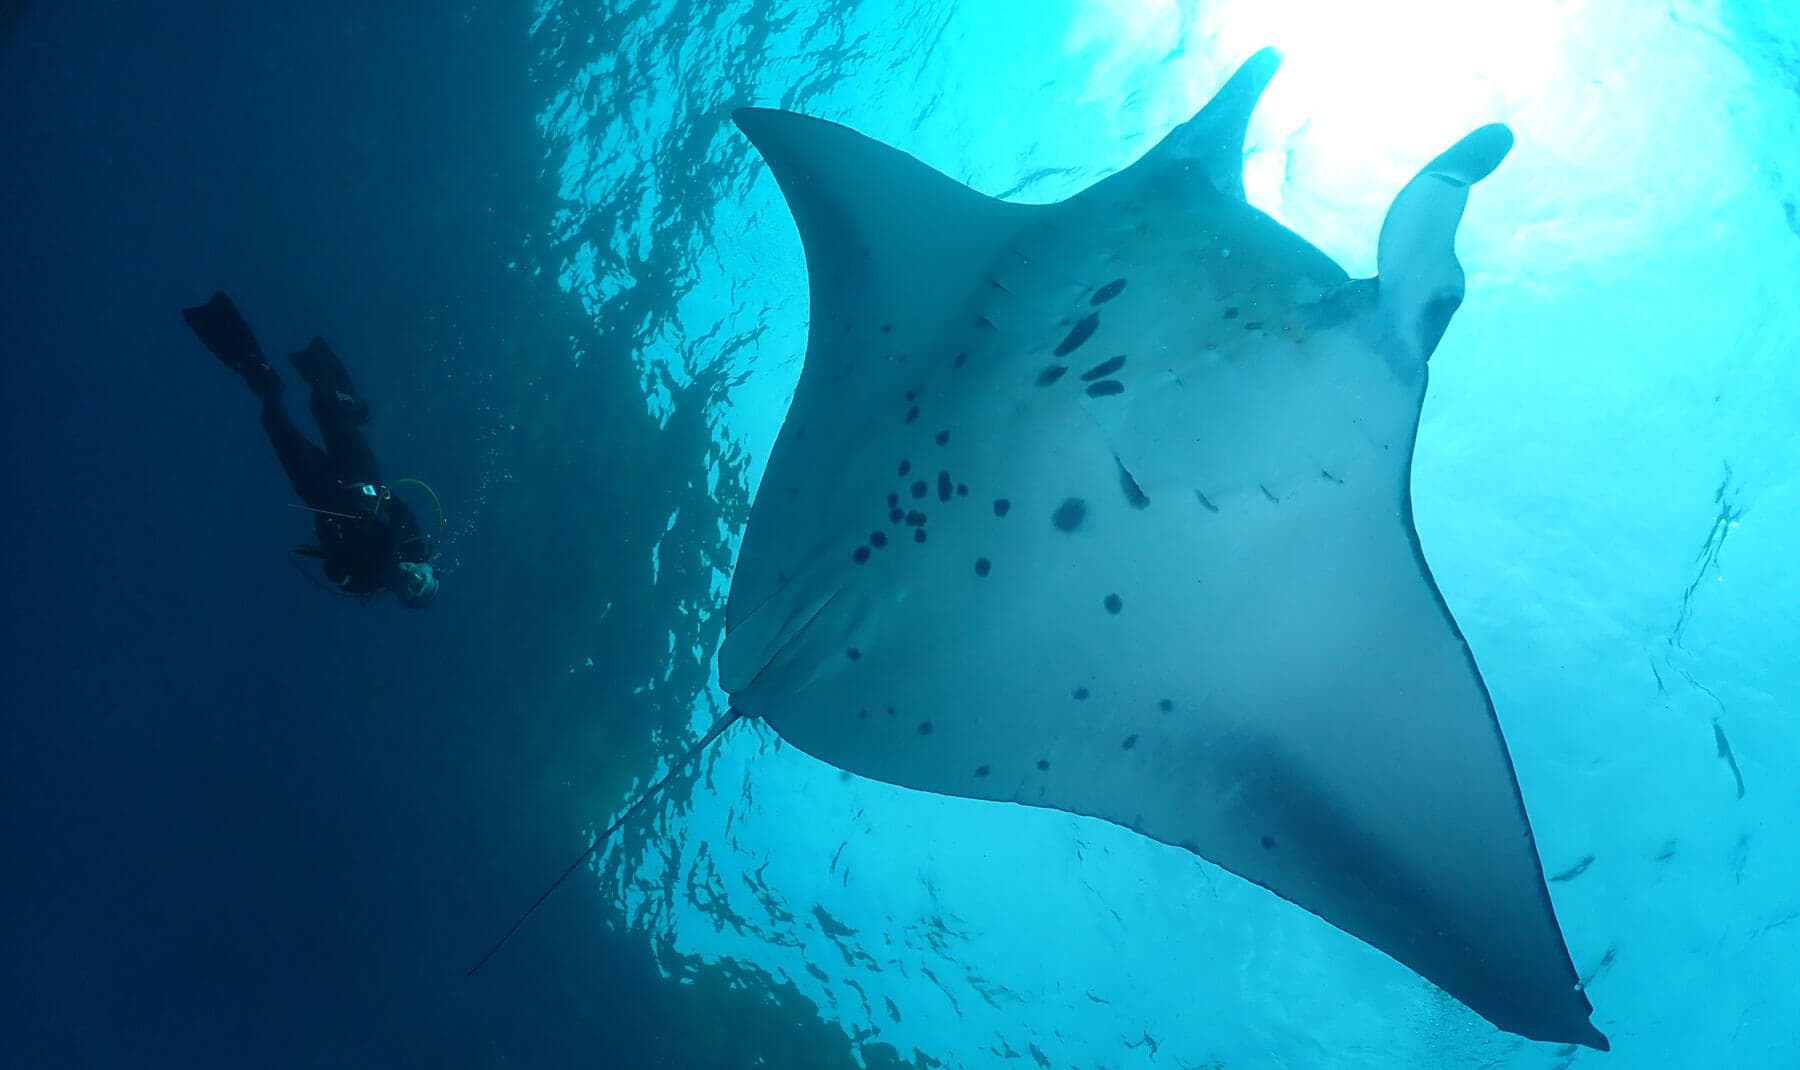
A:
(918, 488)
(1129, 742)
(1002, 506)
(893, 499)
(981, 770)
(924, 728)
(1108, 292)
(1043, 764)
(905, 467)
(1114, 603)
(983, 566)
(1268, 843)
(1080, 694)
(961, 358)
(912, 414)
(878, 539)
(861, 555)
(944, 487)
(1574, 871)
(1134, 494)
(915, 518)
(918, 534)
(1231, 313)
(1166, 705)
(1051, 374)
(1081, 332)
(852, 653)
(1069, 514)
(1105, 388)
(942, 437)
(1103, 369)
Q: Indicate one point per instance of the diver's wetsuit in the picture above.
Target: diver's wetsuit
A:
(363, 531)
(360, 535)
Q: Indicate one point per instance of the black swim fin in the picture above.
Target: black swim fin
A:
(322, 370)
(221, 328)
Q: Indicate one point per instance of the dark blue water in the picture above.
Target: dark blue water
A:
(248, 823)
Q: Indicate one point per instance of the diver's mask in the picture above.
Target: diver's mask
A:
(418, 584)
(371, 496)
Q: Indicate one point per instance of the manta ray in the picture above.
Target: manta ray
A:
(1105, 506)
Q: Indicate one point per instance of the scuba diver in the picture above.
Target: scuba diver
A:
(369, 540)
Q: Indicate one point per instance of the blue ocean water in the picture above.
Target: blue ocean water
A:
(251, 825)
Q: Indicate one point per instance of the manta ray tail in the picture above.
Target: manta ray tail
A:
(643, 800)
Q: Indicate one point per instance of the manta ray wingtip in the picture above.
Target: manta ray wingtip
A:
(1212, 142)
(750, 116)
(1587, 1036)
(1245, 86)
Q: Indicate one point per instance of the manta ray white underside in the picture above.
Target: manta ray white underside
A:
(1104, 506)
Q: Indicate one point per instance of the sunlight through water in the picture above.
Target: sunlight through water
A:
(1621, 375)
